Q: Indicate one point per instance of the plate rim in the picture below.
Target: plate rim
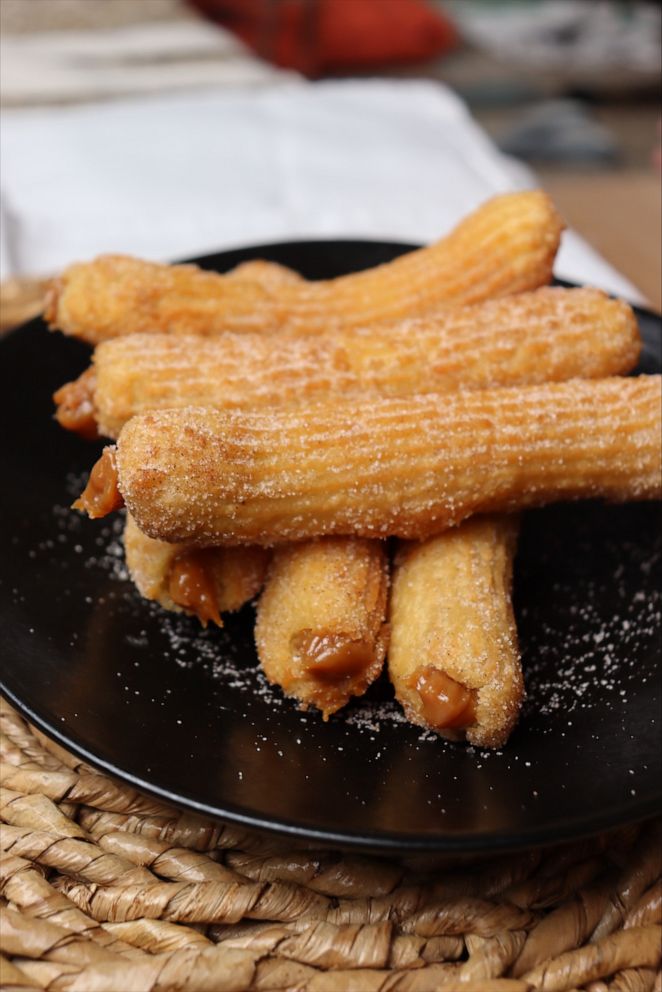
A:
(381, 842)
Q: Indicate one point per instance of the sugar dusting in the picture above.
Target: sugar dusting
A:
(599, 659)
(108, 540)
(221, 656)
(570, 681)
(600, 651)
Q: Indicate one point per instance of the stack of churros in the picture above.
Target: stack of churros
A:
(357, 451)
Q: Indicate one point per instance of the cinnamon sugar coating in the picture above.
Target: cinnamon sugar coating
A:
(405, 467)
(547, 335)
(506, 246)
(451, 612)
(237, 574)
(320, 630)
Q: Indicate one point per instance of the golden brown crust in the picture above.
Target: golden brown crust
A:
(408, 467)
(75, 405)
(237, 573)
(320, 630)
(101, 495)
(451, 611)
(544, 336)
(506, 246)
(263, 272)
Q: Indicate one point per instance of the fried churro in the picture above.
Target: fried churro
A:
(506, 246)
(320, 630)
(206, 582)
(405, 467)
(453, 656)
(76, 401)
(264, 273)
(544, 336)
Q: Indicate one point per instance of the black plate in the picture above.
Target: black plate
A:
(186, 715)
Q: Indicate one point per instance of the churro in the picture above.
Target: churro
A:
(405, 467)
(76, 401)
(265, 273)
(206, 582)
(320, 630)
(543, 336)
(453, 656)
(506, 246)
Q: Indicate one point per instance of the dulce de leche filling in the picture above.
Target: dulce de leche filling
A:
(445, 703)
(191, 584)
(331, 657)
(101, 494)
(75, 405)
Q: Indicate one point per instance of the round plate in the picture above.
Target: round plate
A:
(185, 714)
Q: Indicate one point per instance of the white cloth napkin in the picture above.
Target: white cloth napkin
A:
(178, 175)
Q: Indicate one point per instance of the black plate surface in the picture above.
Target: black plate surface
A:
(185, 714)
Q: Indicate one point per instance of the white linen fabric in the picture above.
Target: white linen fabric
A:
(182, 174)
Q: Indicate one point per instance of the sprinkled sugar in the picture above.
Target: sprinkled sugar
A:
(558, 681)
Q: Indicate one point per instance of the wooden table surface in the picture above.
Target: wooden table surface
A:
(620, 214)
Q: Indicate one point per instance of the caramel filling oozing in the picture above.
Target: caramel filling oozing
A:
(446, 704)
(75, 406)
(101, 494)
(331, 657)
(191, 585)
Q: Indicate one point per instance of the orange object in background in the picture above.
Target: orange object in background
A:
(317, 37)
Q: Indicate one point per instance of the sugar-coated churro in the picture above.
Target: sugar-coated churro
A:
(404, 467)
(320, 630)
(264, 273)
(543, 336)
(506, 246)
(204, 581)
(453, 656)
(76, 401)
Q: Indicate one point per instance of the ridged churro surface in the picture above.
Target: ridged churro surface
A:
(506, 246)
(265, 273)
(452, 625)
(320, 630)
(405, 467)
(544, 336)
(236, 574)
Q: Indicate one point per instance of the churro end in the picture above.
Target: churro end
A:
(191, 585)
(75, 406)
(445, 703)
(101, 494)
(331, 657)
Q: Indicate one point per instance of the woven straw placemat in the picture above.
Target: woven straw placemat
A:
(106, 889)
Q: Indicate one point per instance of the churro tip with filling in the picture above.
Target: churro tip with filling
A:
(454, 658)
(445, 703)
(75, 406)
(321, 631)
(203, 582)
(336, 665)
(101, 494)
(191, 585)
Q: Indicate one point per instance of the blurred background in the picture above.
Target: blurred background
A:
(171, 128)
